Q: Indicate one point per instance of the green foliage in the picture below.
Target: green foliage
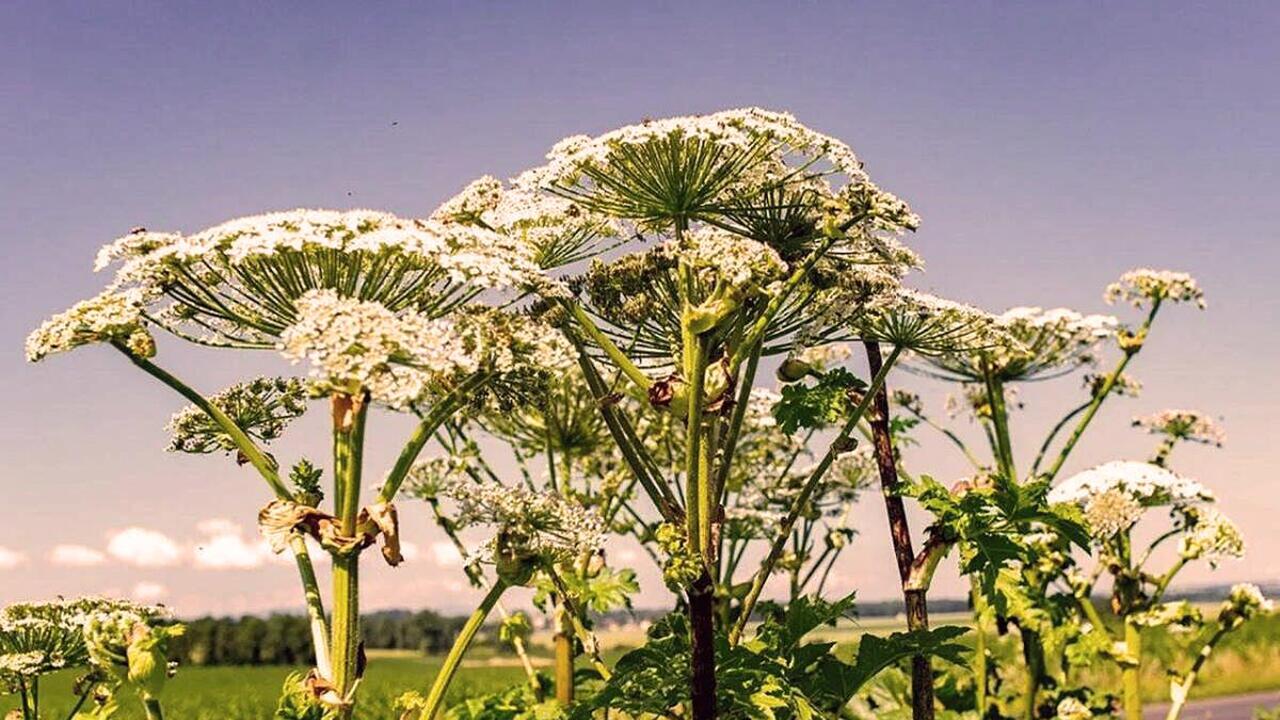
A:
(514, 703)
(602, 591)
(775, 675)
(824, 402)
(296, 702)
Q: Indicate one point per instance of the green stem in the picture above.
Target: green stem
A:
(435, 697)
(152, 707)
(1000, 419)
(315, 605)
(735, 422)
(1101, 395)
(602, 341)
(1132, 673)
(699, 505)
(784, 531)
(349, 414)
(267, 469)
(438, 415)
(980, 646)
(244, 444)
(1048, 441)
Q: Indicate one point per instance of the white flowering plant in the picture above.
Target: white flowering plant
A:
(384, 311)
(114, 644)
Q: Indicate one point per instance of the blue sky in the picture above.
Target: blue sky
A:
(1048, 147)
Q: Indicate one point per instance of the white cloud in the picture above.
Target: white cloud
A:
(10, 559)
(445, 554)
(76, 556)
(146, 591)
(143, 547)
(225, 547)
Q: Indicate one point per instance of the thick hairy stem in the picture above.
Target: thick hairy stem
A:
(315, 606)
(698, 503)
(702, 670)
(435, 696)
(1000, 421)
(1132, 672)
(267, 469)
(431, 422)
(838, 445)
(980, 646)
(349, 413)
(152, 707)
(900, 532)
(563, 656)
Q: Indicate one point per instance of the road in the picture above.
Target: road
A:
(1238, 707)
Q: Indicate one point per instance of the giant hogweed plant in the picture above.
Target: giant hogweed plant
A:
(743, 235)
(385, 311)
(1044, 589)
(114, 645)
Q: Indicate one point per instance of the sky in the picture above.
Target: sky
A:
(1048, 147)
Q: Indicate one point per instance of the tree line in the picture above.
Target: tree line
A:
(286, 639)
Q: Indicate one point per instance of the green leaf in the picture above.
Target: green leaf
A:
(817, 405)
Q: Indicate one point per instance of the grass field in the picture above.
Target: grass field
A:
(1248, 661)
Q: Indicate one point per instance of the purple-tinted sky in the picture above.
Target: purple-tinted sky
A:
(1048, 146)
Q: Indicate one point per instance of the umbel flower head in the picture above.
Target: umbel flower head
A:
(1188, 425)
(1144, 286)
(38, 638)
(1147, 484)
(352, 344)
(108, 317)
(1209, 534)
(722, 164)
(558, 231)
(238, 283)
(927, 324)
(534, 530)
(1046, 343)
(262, 408)
(132, 643)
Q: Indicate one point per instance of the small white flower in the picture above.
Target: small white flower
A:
(1145, 285)
(107, 317)
(1187, 425)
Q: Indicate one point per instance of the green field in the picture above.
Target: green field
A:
(1249, 660)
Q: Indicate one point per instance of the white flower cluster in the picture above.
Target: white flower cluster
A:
(468, 254)
(927, 324)
(556, 231)
(1111, 512)
(536, 526)
(1187, 425)
(743, 129)
(1145, 285)
(353, 344)
(42, 637)
(1041, 343)
(723, 258)
(1146, 484)
(107, 317)
(261, 407)
(1243, 602)
(1211, 535)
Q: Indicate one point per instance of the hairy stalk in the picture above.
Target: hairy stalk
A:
(1103, 392)
(1048, 440)
(152, 707)
(980, 671)
(1180, 688)
(315, 605)
(563, 655)
(349, 414)
(917, 608)
(431, 422)
(838, 445)
(267, 469)
(1132, 672)
(449, 668)
(701, 598)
